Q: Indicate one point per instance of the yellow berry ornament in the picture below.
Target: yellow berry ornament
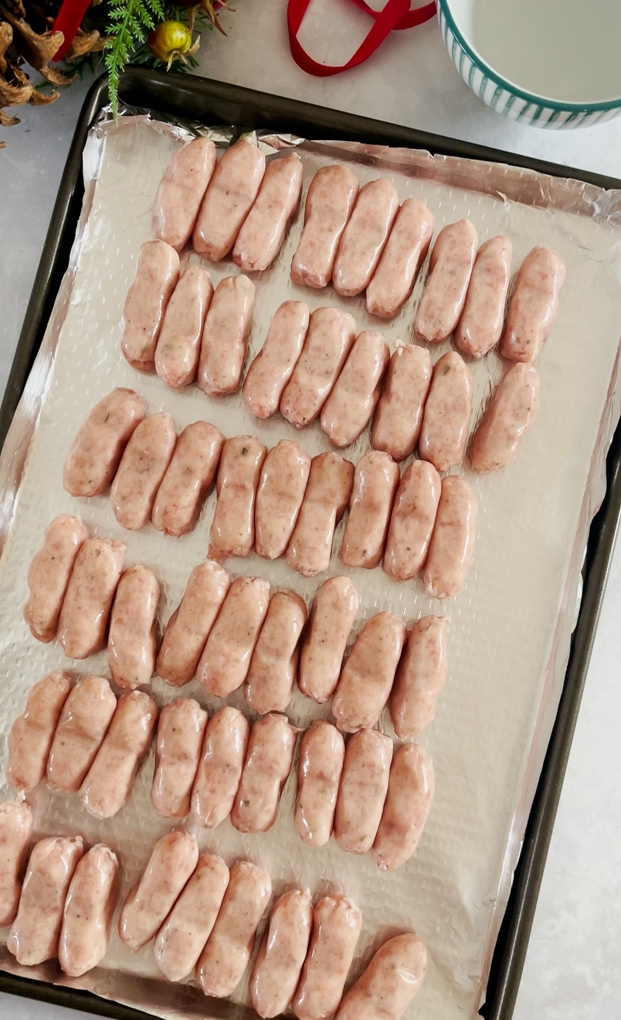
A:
(170, 41)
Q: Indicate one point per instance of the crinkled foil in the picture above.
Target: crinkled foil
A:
(511, 626)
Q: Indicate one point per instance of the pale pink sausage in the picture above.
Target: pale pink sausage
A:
(142, 468)
(132, 634)
(280, 492)
(508, 416)
(224, 959)
(420, 676)
(273, 366)
(444, 296)
(452, 543)
(157, 272)
(325, 499)
(533, 305)
(362, 790)
(94, 455)
(88, 910)
(180, 191)
(263, 230)
(83, 724)
(181, 939)
(320, 763)
(408, 241)
(330, 621)
(226, 656)
(49, 573)
(228, 199)
(336, 928)
(220, 767)
(274, 662)
(368, 674)
(266, 769)
(225, 336)
(172, 861)
(36, 929)
(364, 237)
(348, 409)
(232, 526)
(15, 829)
(444, 433)
(188, 479)
(375, 482)
(110, 778)
(188, 628)
(281, 954)
(389, 983)
(329, 202)
(410, 793)
(31, 735)
(483, 316)
(328, 341)
(179, 343)
(412, 519)
(399, 414)
(83, 622)
(180, 731)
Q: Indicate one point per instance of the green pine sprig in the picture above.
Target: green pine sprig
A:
(129, 22)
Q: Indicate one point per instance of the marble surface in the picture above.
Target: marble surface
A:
(572, 969)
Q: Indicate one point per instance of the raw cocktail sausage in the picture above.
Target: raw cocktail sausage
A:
(188, 628)
(281, 954)
(452, 543)
(179, 342)
(389, 983)
(88, 910)
(330, 621)
(226, 656)
(399, 414)
(348, 409)
(420, 676)
(508, 416)
(446, 418)
(375, 481)
(180, 191)
(336, 928)
(263, 230)
(273, 366)
(31, 735)
(409, 797)
(225, 336)
(364, 237)
(267, 766)
(533, 305)
(325, 499)
(143, 466)
(157, 272)
(188, 479)
(49, 573)
(320, 764)
(15, 829)
(408, 241)
(444, 296)
(280, 491)
(94, 455)
(132, 635)
(180, 731)
(329, 203)
(328, 341)
(368, 674)
(82, 725)
(362, 791)
(228, 199)
(220, 767)
(274, 662)
(83, 622)
(483, 316)
(232, 526)
(412, 519)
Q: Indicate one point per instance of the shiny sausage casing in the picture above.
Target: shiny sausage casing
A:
(330, 621)
(226, 656)
(49, 573)
(266, 769)
(399, 414)
(452, 543)
(508, 416)
(88, 910)
(367, 676)
(180, 191)
(228, 199)
(15, 829)
(281, 954)
(31, 734)
(450, 268)
(406, 247)
(82, 726)
(364, 236)
(351, 403)
(263, 230)
(179, 342)
(362, 790)
(232, 526)
(336, 928)
(483, 316)
(533, 305)
(389, 983)
(188, 628)
(142, 468)
(280, 491)
(446, 418)
(132, 634)
(375, 482)
(188, 479)
(328, 341)
(220, 767)
(420, 676)
(94, 455)
(273, 366)
(409, 797)
(412, 519)
(329, 202)
(180, 731)
(157, 272)
(83, 622)
(320, 764)
(325, 499)
(273, 666)
(225, 336)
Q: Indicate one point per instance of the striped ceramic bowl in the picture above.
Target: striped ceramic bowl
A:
(552, 64)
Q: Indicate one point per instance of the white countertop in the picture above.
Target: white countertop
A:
(572, 969)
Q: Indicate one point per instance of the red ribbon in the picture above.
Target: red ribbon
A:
(396, 14)
(68, 21)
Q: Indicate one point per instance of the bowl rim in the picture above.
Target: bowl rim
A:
(509, 86)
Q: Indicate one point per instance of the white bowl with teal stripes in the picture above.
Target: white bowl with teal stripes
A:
(549, 63)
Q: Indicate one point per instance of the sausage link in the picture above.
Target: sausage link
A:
(31, 735)
(280, 492)
(336, 928)
(142, 468)
(452, 543)
(364, 237)
(420, 677)
(110, 778)
(408, 241)
(446, 287)
(274, 662)
(188, 479)
(225, 336)
(328, 341)
(266, 770)
(410, 793)
(181, 939)
(362, 790)
(49, 573)
(189, 626)
(325, 499)
(149, 903)
(483, 316)
(348, 409)
(179, 342)
(232, 526)
(281, 954)
(15, 829)
(368, 674)
(389, 983)
(412, 519)
(322, 751)
(263, 230)
(533, 306)
(157, 272)
(94, 455)
(36, 929)
(332, 615)
(220, 766)
(273, 366)
(132, 634)
(446, 417)
(375, 482)
(330, 200)
(180, 731)
(399, 414)
(88, 910)
(180, 191)
(83, 622)
(508, 416)
(224, 959)
(82, 726)
(226, 656)
(228, 199)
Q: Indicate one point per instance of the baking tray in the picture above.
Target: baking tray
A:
(191, 98)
